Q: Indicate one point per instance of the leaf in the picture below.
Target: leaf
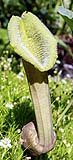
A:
(3, 39)
(67, 15)
(33, 41)
(3, 36)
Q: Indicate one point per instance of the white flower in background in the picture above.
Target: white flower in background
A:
(61, 130)
(2, 87)
(20, 76)
(25, 97)
(64, 141)
(64, 81)
(9, 105)
(18, 130)
(5, 143)
(67, 144)
(57, 99)
(9, 60)
(28, 158)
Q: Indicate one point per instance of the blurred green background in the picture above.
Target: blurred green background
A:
(46, 10)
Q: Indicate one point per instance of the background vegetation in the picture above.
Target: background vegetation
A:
(16, 108)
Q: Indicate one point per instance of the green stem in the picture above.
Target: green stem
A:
(38, 84)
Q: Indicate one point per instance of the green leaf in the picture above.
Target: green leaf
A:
(67, 15)
(33, 41)
(3, 39)
(4, 36)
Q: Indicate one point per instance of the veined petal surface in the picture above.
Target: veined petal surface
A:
(31, 39)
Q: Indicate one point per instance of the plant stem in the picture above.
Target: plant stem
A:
(38, 84)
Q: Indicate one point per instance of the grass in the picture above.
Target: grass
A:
(16, 110)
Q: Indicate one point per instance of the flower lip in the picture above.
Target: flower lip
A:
(33, 41)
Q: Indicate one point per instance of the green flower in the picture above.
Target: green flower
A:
(33, 41)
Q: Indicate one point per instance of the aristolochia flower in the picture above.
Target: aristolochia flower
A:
(5, 143)
(38, 48)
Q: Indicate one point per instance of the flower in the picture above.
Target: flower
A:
(5, 143)
(18, 130)
(9, 105)
(28, 158)
(20, 76)
(57, 99)
(61, 130)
